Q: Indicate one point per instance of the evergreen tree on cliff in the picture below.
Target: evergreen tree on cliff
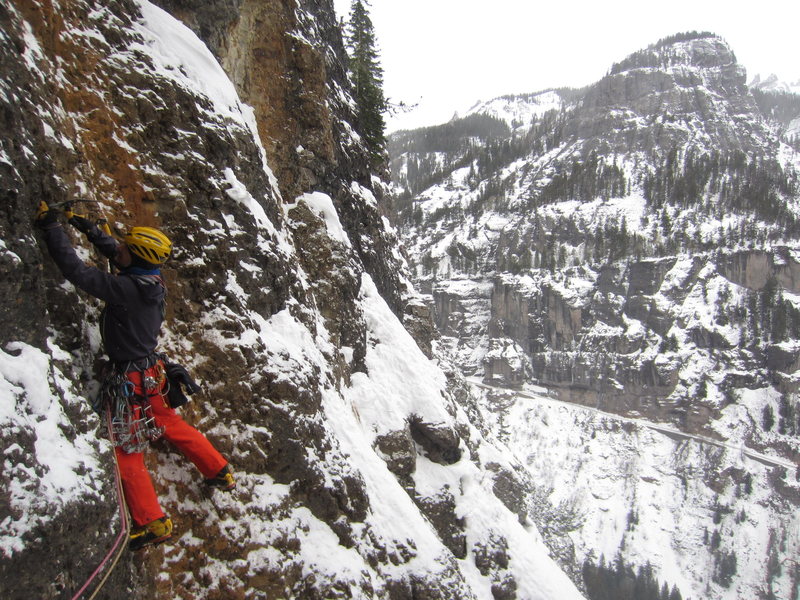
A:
(367, 76)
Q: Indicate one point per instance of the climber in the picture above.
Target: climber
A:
(139, 383)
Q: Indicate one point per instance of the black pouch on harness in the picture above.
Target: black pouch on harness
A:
(179, 378)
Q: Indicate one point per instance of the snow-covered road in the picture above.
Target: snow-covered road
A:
(660, 427)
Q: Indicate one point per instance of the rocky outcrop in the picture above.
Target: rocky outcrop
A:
(449, 313)
(661, 89)
(544, 334)
(418, 320)
(440, 442)
(753, 269)
(506, 363)
(302, 121)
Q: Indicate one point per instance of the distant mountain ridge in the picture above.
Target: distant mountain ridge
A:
(781, 102)
(772, 83)
(633, 245)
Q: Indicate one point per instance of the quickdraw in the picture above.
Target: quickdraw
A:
(132, 426)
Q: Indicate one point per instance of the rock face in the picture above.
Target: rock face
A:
(675, 87)
(357, 461)
(302, 123)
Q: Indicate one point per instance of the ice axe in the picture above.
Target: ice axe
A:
(69, 213)
(67, 204)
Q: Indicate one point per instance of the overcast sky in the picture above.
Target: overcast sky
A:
(445, 55)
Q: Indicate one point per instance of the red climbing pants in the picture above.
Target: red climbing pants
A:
(140, 494)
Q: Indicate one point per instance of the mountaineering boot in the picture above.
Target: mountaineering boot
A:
(155, 532)
(223, 480)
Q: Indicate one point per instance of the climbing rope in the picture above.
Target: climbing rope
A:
(116, 550)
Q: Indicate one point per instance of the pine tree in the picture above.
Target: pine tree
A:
(664, 595)
(367, 77)
(767, 418)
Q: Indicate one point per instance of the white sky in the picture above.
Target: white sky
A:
(446, 55)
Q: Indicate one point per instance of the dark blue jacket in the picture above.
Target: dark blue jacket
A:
(131, 320)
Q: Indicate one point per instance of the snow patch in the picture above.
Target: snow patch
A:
(44, 482)
(322, 206)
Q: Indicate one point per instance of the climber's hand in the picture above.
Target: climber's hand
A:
(181, 375)
(80, 223)
(46, 217)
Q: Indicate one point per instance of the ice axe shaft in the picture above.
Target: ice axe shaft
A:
(68, 203)
(68, 212)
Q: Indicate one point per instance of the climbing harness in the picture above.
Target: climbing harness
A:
(118, 547)
(130, 427)
(132, 424)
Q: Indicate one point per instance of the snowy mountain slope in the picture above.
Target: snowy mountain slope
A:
(634, 249)
(658, 499)
(529, 204)
(519, 111)
(781, 101)
(771, 83)
(361, 470)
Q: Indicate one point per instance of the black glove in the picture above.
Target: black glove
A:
(46, 217)
(179, 378)
(81, 223)
(178, 374)
(175, 395)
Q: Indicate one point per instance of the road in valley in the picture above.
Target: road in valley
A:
(660, 427)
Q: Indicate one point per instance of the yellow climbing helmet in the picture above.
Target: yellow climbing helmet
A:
(149, 244)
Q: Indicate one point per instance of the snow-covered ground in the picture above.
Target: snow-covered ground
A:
(653, 495)
(46, 470)
(519, 111)
(400, 382)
